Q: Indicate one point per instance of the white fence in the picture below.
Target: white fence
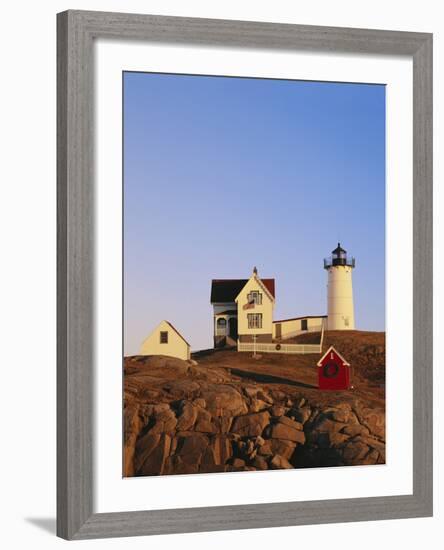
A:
(279, 348)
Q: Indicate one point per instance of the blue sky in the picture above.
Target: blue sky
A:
(222, 174)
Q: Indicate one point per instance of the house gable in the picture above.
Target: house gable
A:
(255, 283)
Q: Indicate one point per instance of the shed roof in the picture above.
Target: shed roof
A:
(336, 352)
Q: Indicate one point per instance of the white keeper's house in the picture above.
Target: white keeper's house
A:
(243, 308)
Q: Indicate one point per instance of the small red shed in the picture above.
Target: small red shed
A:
(333, 371)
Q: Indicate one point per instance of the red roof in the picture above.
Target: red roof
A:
(226, 290)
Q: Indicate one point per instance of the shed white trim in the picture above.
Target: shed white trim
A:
(330, 349)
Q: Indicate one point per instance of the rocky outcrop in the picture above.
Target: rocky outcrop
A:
(181, 418)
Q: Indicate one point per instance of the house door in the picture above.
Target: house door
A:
(233, 328)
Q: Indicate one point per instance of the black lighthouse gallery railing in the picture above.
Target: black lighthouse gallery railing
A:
(332, 261)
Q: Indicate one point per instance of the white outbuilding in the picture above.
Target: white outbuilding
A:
(166, 340)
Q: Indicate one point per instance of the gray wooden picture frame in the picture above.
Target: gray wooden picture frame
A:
(76, 32)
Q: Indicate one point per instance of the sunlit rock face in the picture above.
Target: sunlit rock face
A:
(227, 411)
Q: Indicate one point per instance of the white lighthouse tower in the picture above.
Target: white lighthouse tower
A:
(340, 312)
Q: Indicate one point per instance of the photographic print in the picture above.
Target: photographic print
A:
(253, 274)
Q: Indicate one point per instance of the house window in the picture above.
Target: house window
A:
(304, 324)
(221, 323)
(255, 297)
(254, 320)
(164, 337)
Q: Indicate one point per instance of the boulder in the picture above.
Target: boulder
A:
(144, 447)
(371, 457)
(149, 395)
(221, 447)
(281, 431)
(343, 414)
(372, 442)
(249, 447)
(208, 458)
(354, 452)
(214, 375)
(204, 422)
(277, 395)
(154, 463)
(291, 423)
(259, 441)
(250, 391)
(355, 429)
(164, 421)
(132, 427)
(279, 462)
(187, 417)
(301, 415)
(191, 448)
(161, 408)
(251, 424)
(204, 426)
(283, 447)
(224, 400)
(329, 439)
(325, 424)
(265, 448)
(376, 423)
(181, 389)
(225, 424)
(258, 405)
(261, 394)
(200, 402)
(278, 410)
(373, 420)
(145, 412)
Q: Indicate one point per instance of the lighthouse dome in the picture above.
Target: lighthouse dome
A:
(338, 250)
